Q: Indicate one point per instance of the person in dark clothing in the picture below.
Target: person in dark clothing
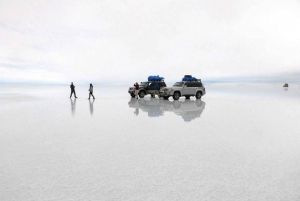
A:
(72, 90)
(137, 89)
(91, 91)
(156, 90)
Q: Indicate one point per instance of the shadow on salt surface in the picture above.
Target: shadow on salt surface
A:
(187, 109)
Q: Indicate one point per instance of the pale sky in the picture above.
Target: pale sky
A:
(125, 41)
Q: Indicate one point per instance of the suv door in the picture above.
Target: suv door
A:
(190, 88)
(194, 87)
(150, 88)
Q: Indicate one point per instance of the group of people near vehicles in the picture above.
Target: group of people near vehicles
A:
(72, 86)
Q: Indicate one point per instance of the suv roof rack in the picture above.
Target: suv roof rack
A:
(155, 78)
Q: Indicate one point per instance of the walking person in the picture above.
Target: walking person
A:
(137, 89)
(91, 91)
(72, 90)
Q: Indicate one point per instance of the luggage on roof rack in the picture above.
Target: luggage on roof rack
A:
(156, 78)
(189, 76)
(189, 79)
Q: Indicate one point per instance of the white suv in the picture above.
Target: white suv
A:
(184, 88)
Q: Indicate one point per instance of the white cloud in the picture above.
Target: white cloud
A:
(60, 41)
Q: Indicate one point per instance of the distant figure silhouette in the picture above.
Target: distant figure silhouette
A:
(137, 89)
(72, 90)
(91, 91)
(156, 90)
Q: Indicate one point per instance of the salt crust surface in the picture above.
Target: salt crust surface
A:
(238, 143)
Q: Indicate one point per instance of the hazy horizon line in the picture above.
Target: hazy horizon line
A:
(224, 80)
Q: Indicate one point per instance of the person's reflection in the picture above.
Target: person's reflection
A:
(137, 108)
(137, 111)
(91, 106)
(73, 105)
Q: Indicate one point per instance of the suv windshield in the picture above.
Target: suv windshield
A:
(144, 84)
(178, 84)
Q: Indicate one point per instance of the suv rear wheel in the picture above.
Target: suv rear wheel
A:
(198, 95)
(176, 95)
(132, 95)
(141, 94)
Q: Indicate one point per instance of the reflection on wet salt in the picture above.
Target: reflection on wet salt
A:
(187, 109)
(137, 111)
(73, 105)
(91, 106)
(246, 144)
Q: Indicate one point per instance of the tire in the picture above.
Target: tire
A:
(132, 95)
(166, 97)
(141, 94)
(198, 95)
(187, 97)
(176, 95)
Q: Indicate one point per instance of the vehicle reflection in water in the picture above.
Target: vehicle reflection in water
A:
(187, 109)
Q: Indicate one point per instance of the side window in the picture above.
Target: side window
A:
(161, 84)
(193, 84)
(151, 85)
(189, 84)
(197, 84)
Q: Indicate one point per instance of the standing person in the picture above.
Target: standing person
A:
(91, 91)
(156, 90)
(72, 90)
(137, 89)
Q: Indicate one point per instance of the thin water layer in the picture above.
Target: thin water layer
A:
(237, 143)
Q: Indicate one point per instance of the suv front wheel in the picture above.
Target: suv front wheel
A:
(198, 95)
(141, 94)
(176, 95)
